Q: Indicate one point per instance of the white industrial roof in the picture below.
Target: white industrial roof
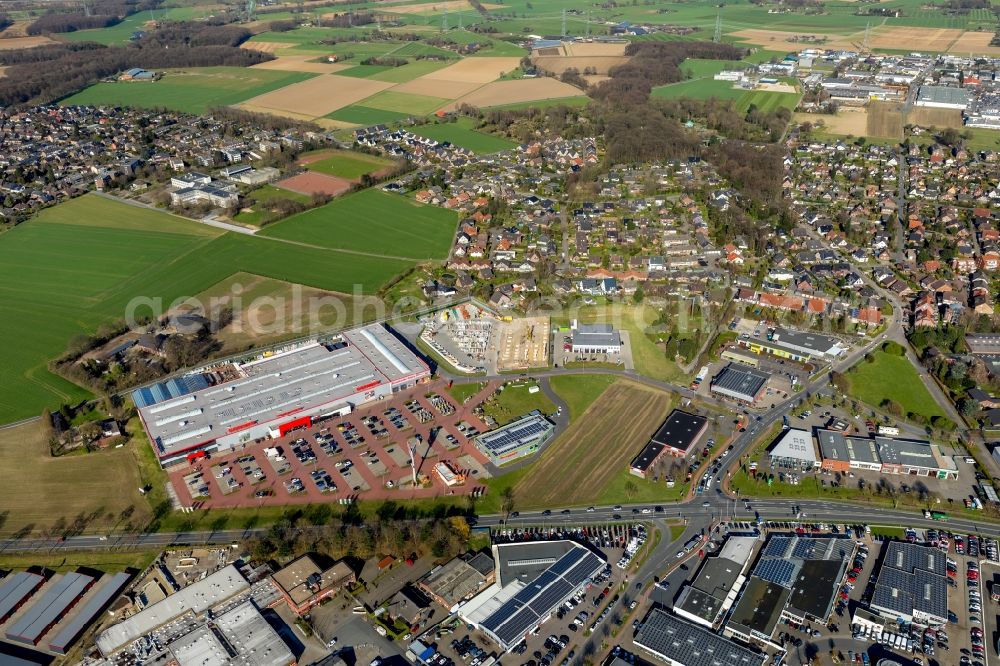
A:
(197, 598)
(795, 445)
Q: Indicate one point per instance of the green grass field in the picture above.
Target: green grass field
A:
(700, 68)
(698, 89)
(82, 263)
(374, 222)
(580, 390)
(346, 164)
(363, 115)
(191, 90)
(364, 71)
(580, 100)
(892, 378)
(114, 35)
(462, 134)
(418, 105)
(411, 70)
(515, 401)
(767, 101)
(258, 200)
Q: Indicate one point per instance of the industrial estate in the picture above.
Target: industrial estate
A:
(528, 332)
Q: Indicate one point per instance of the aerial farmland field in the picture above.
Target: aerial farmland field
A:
(375, 223)
(193, 90)
(79, 264)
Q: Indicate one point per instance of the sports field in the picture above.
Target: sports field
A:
(79, 264)
(595, 449)
(36, 489)
(462, 134)
(375, 222)
(192, 90)
(344, 163)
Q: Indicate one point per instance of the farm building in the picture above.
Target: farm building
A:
(677, 642)
(137, 74)
(275, 394)
(912, 584)
(794, 450)
(676, 436)
(740, 383)
(533, 580)
(304, 583)
(595, 339)
(516, 440)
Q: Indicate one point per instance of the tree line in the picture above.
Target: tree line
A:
(58, 22)
(49, 73)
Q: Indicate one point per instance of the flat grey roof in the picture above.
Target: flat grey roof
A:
(813, 342)
(795, 444)
(741, 381)
(907, 452)
(15, 588)
(296, 380)
(454, 580)
(45, 612)
(682, 642)
(835, 445)
(943, 95)
(760, 606)
(72, 629)
(243, 631)
(699, 603)
(195, 598)
(596, 335)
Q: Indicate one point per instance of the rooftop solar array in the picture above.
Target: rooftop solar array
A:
(537, 599)
(906, 594)
(681, 642)
(779, 572)
(502, 440)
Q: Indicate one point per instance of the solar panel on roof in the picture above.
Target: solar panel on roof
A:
(564, 564)
(779, 572)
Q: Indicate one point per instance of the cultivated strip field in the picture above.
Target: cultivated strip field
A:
(474, 70)
(301, 63)
(885, 121)
(515, 91)
(974, 42)
(10, 43)
(318, 96)
(882, 37)
(595, 449)
(930, 117)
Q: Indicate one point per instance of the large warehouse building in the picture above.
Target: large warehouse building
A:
(912, 584)
(740, 383)
(273, 395)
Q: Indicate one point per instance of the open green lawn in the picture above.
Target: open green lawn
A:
(516, 400)
(350, 165)
(462, 134)
(117, 35)
(367, 116)
(462, 392)
(193, 90)
(580, 100)
(892, 378)
(258, 200)
(578, 391)
(375, 222)
(767, 101)
(698, 89)
(418, 105)
(81, 263)
(62, 561)
(700, 68)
